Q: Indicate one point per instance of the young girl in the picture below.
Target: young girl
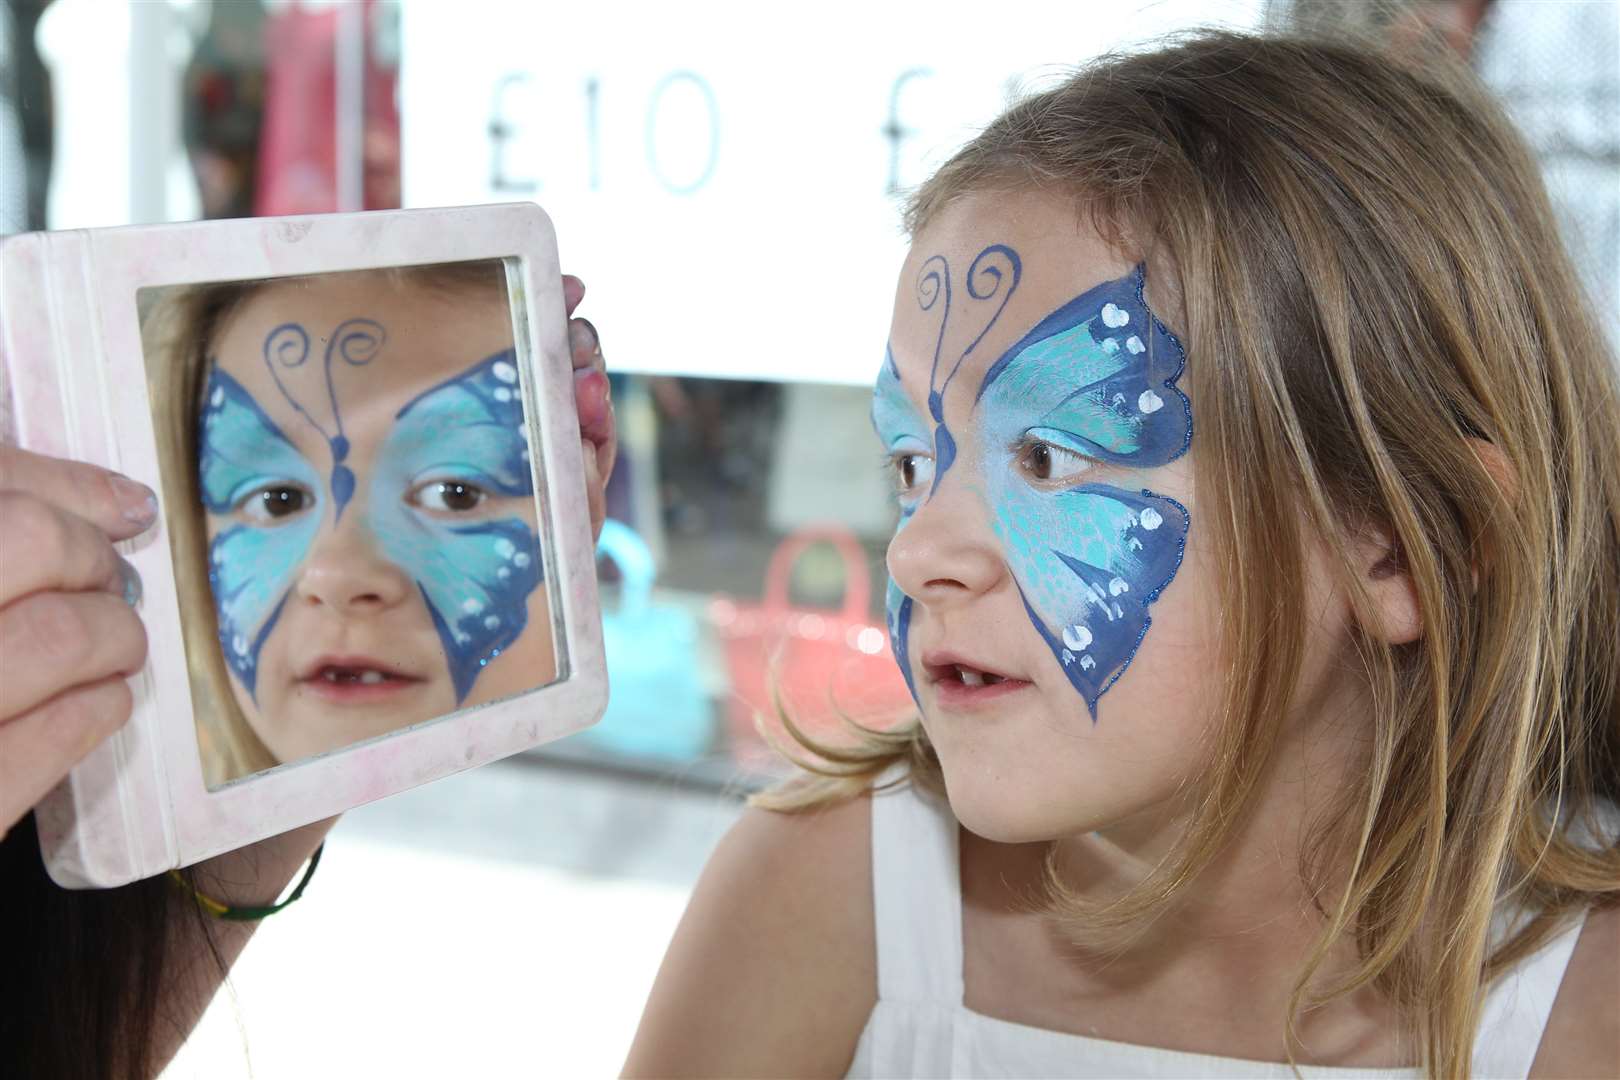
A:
(1258, 581)
(364, 552)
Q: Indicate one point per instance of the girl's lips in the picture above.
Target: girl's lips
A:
(355, 680)
(344, 690)
(964, 683)
(954, 694)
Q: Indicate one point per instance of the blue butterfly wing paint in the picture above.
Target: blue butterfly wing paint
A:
(1098, 376)
(475, 578)
(250, 566)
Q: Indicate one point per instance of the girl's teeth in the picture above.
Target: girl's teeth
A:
(971, 678)
(371, 677)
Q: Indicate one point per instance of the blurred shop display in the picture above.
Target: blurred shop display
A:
(223, 107)
(1555, 65)
(13, 163)
(740, 597)
(25, 119)
(330, 139)
(658, 709)
(220, 108)
(819, 669)
(1557, 69)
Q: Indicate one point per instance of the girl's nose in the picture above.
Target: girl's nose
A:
(346, 573)
(946, 553)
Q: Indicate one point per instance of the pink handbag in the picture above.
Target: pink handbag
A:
(824, 665)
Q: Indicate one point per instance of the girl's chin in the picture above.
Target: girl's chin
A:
(318, 719)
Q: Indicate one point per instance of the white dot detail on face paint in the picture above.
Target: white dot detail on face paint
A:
(1110, 345)
(1068, 657)
(1114, 317)
(472, 605)
(462, 637)
(1087, 663)
(240, 645)
(504, 547)
(521, 559)
(1149, 402)
(504, 572)
(504, 371)
(1134, 344)
(1076, 637)
(1151, 519)
(1117, 586)
(491, 622)
(502, 394)
(219, 397)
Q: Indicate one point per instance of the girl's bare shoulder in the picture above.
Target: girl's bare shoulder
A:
(1583, 1033)
(772, 970)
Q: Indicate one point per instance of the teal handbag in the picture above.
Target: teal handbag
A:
(656, 706)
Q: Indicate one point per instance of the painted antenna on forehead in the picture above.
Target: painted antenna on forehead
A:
(933, 283)
(985, 276)
(286, 350)
(995, 265)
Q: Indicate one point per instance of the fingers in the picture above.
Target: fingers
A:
(117, 505)
(54, 641)
(599, 438)
(40, 746)
(595, 489)
(585, 345)
(65, 552)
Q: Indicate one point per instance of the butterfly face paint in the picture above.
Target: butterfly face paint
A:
(1091, 383)
(475, 578)
(451, 448)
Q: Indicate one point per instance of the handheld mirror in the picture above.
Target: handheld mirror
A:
(373, 564)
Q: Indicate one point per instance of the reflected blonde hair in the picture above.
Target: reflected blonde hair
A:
(1372, 284)
(177, 335)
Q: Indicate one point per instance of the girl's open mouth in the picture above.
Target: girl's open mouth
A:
(356, 681)
(962, 684)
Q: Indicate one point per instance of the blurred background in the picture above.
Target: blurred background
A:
(726, 178)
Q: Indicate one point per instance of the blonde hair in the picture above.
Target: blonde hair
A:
(1373, 286)
(177, 335)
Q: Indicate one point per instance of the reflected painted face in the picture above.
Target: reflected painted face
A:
(373, 547)
(1050, 601)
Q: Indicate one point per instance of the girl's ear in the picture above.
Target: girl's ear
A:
(1398, 618)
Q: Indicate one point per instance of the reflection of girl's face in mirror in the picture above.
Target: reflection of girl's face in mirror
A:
(372, 534)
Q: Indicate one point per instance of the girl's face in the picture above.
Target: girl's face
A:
(1052, 600)
(373, 542)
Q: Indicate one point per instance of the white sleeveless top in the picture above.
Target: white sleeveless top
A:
(921, 1028)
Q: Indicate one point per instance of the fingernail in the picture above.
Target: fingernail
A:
(582, 337)
(133, 589)
(136, 501)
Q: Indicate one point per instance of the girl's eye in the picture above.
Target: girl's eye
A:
(448, 496)
(911, 471)
(1048, 461)
(274, 502)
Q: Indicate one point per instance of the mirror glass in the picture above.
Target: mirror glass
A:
(351, 502)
